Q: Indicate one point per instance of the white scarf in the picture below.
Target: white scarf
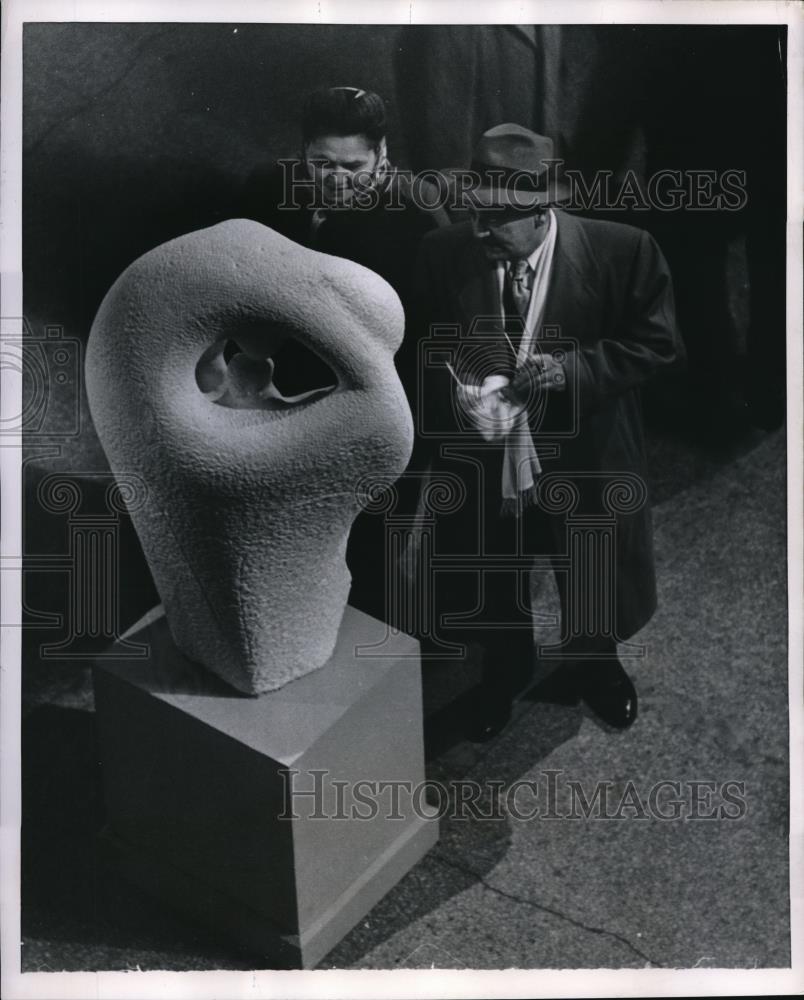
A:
(521, 463)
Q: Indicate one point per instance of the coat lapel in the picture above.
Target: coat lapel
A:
(478, 292)
(573, 303)
(484, 350)
(570, 296)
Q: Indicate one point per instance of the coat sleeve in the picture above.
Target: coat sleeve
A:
(643, 341)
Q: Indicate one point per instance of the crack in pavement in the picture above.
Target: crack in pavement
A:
(548, 909)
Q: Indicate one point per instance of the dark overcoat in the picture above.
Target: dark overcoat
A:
(609, 318)
(383, 234)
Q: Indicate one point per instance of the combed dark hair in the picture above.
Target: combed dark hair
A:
(343, 111)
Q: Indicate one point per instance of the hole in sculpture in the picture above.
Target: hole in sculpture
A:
(259, 369)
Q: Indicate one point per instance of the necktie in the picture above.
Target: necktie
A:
(516, 298)
(520, 292)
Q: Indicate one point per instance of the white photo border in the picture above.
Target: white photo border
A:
(403, 983)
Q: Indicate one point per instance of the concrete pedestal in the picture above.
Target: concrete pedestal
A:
(266, 817)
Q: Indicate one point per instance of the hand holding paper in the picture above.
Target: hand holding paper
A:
(537, 374)
(491, 414)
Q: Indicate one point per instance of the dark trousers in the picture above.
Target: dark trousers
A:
(495, 595)
(368, 552)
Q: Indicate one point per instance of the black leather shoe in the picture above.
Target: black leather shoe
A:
(608, 691)
(489, 715)
(558, 688)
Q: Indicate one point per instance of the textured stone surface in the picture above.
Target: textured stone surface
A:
(248, 505)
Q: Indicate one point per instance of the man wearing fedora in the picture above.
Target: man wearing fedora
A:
(536, 331)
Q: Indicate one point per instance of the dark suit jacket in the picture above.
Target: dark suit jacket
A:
(384, 238)
(610, 307)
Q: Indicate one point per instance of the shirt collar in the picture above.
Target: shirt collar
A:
(533, 258)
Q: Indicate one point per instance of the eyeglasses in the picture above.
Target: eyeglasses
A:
(500, 216)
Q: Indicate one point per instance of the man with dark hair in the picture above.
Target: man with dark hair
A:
(341, 196)
(537, 331)
(345, 156)
(344, 111)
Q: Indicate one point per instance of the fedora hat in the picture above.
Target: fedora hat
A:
(511, 167)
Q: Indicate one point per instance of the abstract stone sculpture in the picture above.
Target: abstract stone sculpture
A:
(251, 494)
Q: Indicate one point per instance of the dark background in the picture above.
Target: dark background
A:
(134, 133)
